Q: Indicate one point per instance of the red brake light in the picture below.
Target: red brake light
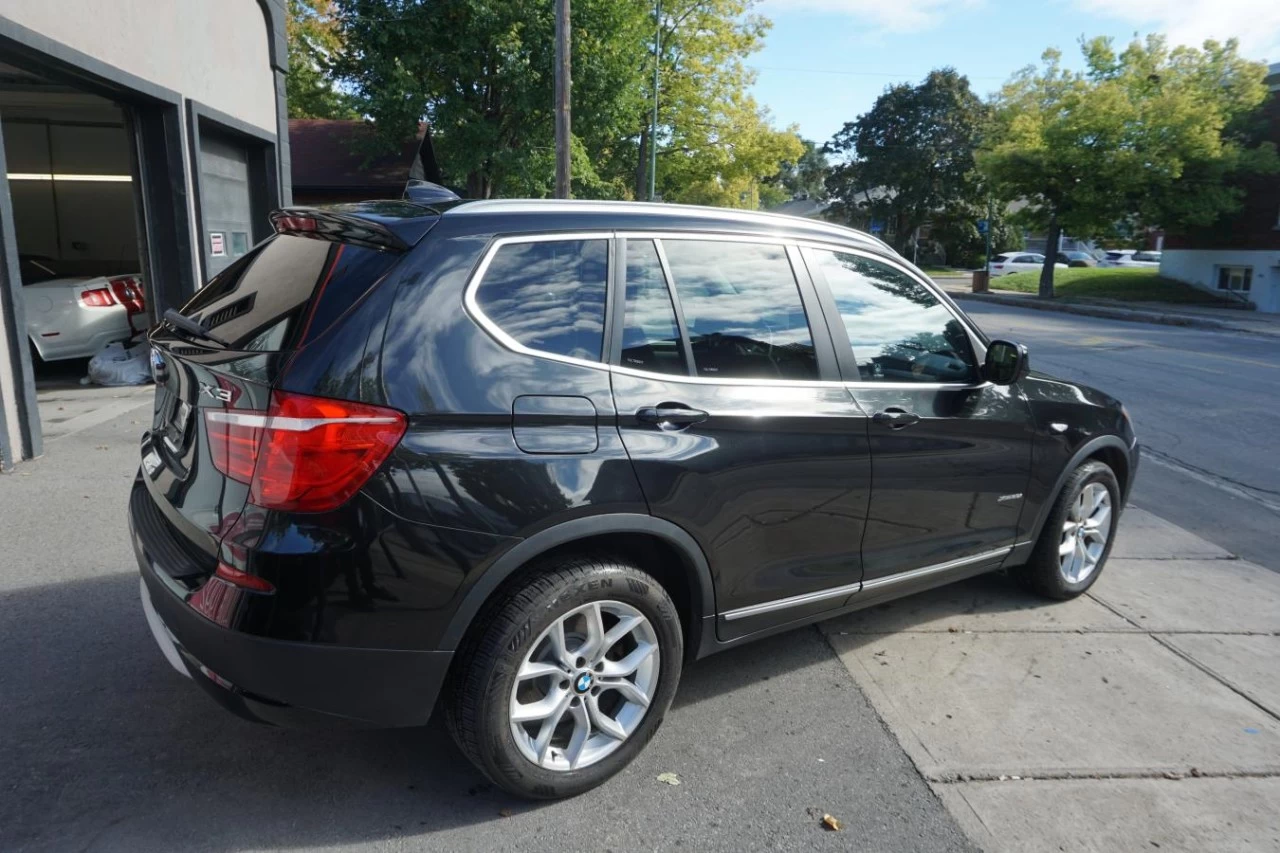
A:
(98, 297)
(128, 291)
(305, 454)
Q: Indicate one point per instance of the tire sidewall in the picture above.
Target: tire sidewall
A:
(1089, 472)
(605, 581)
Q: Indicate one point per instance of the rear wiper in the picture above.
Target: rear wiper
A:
(191, 327)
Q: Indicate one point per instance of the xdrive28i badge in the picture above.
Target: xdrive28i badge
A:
(223, 394)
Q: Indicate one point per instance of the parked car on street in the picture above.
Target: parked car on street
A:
(1139, 259)
(529, 458)
(1077, 259)
(75, 316)
(1008, 262)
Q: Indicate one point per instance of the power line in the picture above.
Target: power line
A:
(851, 73)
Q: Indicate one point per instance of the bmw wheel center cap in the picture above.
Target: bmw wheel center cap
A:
(583, 682)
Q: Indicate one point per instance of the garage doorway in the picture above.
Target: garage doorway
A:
(73, 188)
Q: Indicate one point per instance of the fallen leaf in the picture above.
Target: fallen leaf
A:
(504, 812)
(832, 823)
(669, 778)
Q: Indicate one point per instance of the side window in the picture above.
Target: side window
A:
(549, 295)
(899, 330)
(650, 336)
(742, 309)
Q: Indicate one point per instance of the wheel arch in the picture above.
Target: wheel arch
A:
(1109, 449)
(625, 534)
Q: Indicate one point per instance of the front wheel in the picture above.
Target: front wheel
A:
(1077, 536)
(567, 677)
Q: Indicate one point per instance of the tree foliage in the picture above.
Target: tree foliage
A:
(717, 145)
(915, 147)
(805, 176)
(480, 72)
(1149, 134)
(314, 42)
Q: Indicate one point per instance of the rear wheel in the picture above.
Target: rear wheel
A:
(1077, 536)
(567, 677)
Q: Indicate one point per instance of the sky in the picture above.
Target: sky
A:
(826, 61)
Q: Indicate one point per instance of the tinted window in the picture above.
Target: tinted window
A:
(286, 291)
(549, 295)
(650, 337)
(899, 330)
(742, 310)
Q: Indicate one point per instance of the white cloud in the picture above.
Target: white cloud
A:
(1256, 23)
(898, 16)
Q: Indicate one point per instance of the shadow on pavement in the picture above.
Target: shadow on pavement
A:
(106, 747)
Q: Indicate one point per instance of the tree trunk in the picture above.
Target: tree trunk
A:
(1050, 257)
(642, 168)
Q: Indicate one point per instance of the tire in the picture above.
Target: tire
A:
(518, 629)
(1054, 574)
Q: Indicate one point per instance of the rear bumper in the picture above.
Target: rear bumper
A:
(285, 683)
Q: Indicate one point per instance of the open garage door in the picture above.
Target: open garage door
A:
(69, 167)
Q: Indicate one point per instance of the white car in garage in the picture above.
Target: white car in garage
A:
(1008, 262)
(76, 316)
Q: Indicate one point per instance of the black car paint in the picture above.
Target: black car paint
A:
(766, 499)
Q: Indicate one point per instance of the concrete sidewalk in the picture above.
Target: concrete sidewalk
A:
(1194, 316)
(1143, 715)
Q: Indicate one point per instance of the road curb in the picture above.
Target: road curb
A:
(1128, 314)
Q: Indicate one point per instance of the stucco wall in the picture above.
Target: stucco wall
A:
(214, 51)
(1200, 268)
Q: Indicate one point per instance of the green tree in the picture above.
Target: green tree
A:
(314, 42)
(1147, 135)
(716, 144)
(915, 148)
(480, 72)
(806, 176)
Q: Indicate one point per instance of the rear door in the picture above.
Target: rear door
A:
(265, 306)
(738, 432)
(950, 453)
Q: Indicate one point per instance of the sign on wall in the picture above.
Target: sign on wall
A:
(217, 244)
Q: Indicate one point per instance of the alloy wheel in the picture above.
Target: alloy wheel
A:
(585, 685)
(1084, 533)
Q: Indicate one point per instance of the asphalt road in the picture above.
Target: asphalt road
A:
(1205, 404)
(104, 747)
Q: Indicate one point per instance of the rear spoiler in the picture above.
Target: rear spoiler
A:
(388, 226)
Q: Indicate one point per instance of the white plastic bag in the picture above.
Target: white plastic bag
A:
(117, 364)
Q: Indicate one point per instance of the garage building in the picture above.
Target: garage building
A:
(143, 142)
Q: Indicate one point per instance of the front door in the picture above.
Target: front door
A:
(738, 427)
(950, 454)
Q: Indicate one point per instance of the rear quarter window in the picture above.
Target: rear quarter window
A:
(287, 291)
(548, 295)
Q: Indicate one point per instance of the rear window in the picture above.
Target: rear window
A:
(999, 259)
(549, 295)
(286, 291)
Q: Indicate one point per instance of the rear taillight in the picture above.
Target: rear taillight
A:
(98, 297)
(304, 454)
(128, 291)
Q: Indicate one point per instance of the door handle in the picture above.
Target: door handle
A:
(670, 415)
(895, 418)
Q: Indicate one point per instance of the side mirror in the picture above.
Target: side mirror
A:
(1006, 363)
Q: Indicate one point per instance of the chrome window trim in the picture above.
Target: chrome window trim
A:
(473, 309)
(850, 589)
(975, 340)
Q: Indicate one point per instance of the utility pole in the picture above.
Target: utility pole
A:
(653, 131)
(563, 81)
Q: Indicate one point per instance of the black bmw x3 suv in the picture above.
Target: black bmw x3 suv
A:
(528, 458)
